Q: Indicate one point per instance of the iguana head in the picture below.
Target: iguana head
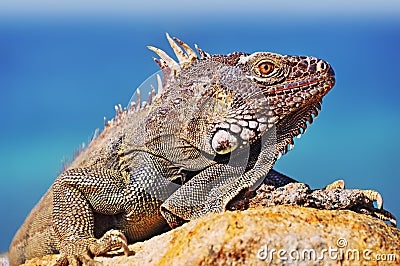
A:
(294, 87)
(234, 99)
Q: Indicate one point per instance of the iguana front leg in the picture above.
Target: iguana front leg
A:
(213, 188)
(206, 192)
(77, 193)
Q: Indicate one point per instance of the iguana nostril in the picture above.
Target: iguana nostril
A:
(323, 66)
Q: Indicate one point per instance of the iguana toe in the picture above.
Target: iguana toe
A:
(77, 260)
(373, 196)
(81, 251)
(112, 239)
(386, 216)
(76, 252)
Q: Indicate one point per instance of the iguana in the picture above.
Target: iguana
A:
(215, 128)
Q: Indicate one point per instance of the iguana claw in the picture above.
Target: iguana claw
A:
(386, 216)
(374, 196)
(371, 195)
(76, 251)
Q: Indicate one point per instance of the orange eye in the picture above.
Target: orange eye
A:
(266, 68)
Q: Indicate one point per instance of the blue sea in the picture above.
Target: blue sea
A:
(60, 76)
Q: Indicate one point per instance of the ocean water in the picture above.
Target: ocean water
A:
(60, 77)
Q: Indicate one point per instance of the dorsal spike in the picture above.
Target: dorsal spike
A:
(191, 54)
(158, 63)
(201, 52)
(159, 85)
(153, 92)
(150, 96)
(95, 135)
(163, 65)
(182, 57)
(138, 98)
(170, 63)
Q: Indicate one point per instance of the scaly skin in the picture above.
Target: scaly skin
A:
(215, 128)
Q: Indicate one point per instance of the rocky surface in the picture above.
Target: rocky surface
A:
(280, 234)
(267, 226)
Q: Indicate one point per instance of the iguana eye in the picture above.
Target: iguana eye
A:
(266, 68)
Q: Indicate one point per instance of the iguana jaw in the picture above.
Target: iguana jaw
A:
(306, 103)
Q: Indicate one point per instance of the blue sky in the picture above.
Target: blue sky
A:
(64, 66)
(128, 8)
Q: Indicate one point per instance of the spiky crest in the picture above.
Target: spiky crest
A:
(170, 68)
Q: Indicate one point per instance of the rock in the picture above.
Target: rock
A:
(278, 234)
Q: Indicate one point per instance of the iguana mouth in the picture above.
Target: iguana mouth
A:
(305, 85)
